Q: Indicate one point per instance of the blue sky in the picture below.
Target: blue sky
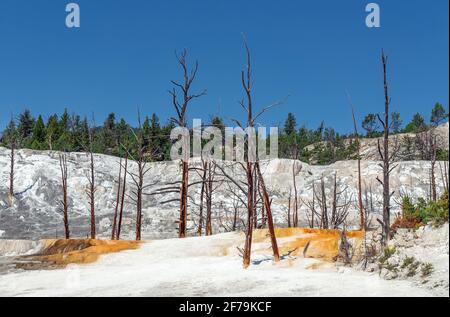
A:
(122, 57)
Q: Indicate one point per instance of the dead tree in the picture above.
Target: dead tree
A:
(11, 172)
(209, 191)
(387, 157)
(122, 199)
(181, 107)
(369, 204)
(116, 210)
(311, 208)
(268, 209)
(138, 177)
(433, 157)
(289, 209)
(444, 175)
(90, 192)
(295, 220)
(65, 199)
(340, 205)
(202, 195)
(11, 138)
(251, 168)
(321, 198)
(362, 221)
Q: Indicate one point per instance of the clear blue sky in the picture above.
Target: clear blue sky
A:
(122, 57)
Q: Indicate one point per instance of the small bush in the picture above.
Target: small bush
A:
(427, 269)
(412, 269)
(408, 261)
(388, 252)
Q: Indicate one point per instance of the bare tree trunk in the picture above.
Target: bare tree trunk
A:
(209, 193)
(139, 204)
(313, 213)
(250, 209)
(289, 209)
(362, 220)
(183, 200)
(65, 200)
(267, 204)
(255, 200)
(386, 158)
(295, 197)
(202, 194)
(181, 108)
(263, 210)
(11, 174)
(235, 216)
(92, 190)
(334, 204)
(433, 166)
(444, 176)
(122, 199)
(138, 177)
(324, 205)
(119, 184)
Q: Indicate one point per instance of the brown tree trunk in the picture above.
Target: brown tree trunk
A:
(119, 184)
(181, 107)
(325, 224)
(433, 167)
(92, 196)
(386, 158)
(202, 194)
(267, 204)
(362, 220)
(334, 204)
(289, 210)
(139, 200)
(296, 224)
(209, 193)
(11, 174)
(122, 201)
(65, 200)
(250, 203)
(183, 200)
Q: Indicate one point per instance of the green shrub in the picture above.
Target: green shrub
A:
(408, 261)
(388, 252)
(412, 269)
(416, 215)
(427, 269)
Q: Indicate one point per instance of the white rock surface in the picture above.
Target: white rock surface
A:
(37, 213)
(199, 267)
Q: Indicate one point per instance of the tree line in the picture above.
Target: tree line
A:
(71, 133)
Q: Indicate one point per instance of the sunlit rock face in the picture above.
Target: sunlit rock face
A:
(37, 209)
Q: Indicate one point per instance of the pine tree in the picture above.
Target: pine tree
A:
(25, 127)
(108, 138)
(146, 132)
(156, 137)
(438, 114)
(396, 122)
(290, 126)
(10, 134)
(370, 124)
(84, 132)
(39, 136)
(417, 124)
